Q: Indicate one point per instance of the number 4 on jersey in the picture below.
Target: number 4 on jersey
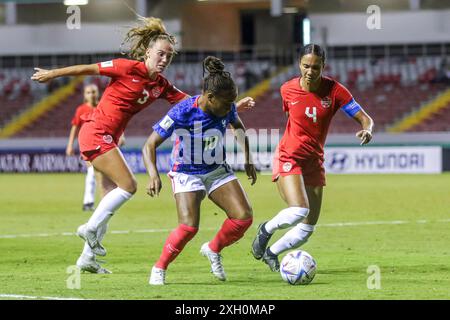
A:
(312, 115)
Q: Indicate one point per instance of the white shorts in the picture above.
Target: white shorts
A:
(182, 182)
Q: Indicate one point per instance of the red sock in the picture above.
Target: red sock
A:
(174, 244)
(232, 230)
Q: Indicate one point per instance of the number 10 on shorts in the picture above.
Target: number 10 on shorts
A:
(312, 115)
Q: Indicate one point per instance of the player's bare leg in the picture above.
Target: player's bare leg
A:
(293, 191)
(188, 209)
(105, 183)
(111, 164)
(232, 199)
(315, 204)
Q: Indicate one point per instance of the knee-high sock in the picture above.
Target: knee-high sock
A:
(232, 230)
(294, 238)
(100, 234)
(286, 218)
(175, 243)
(89, 186)
(107, 206)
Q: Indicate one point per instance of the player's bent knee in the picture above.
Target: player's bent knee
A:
(248, 213)
(130, 186)
(189, 222)
(293, 216)
(245, 213)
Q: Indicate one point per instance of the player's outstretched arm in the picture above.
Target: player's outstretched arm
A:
(367, 124)
(149, 154)
(43, 75)
(242, 138)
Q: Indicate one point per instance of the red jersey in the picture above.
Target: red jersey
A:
(310, 115)
(82, 109)
(129, 91)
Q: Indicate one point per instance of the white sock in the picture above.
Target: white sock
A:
(107, 206)
(87, 251)
(294, 238)
(286, 218)
(89, 186)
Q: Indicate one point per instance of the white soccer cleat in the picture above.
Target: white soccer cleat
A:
(90, 236)
(89, 264)
(216, 262)
(157, 277)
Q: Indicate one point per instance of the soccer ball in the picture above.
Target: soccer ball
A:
(298, 267)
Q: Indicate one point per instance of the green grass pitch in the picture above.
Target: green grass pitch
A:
(398, 222)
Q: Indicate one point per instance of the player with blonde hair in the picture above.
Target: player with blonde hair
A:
(134, 85)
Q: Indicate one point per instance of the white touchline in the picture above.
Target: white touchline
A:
(20, 296)
(46, 235)
(336, 224)
(363, 223)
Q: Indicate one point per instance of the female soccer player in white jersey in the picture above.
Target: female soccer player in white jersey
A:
(199, 168)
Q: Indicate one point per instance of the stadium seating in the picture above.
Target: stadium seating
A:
(387, 89)
(438, 122)
(17, 92)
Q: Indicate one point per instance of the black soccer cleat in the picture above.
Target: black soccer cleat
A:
(260, 243)
(271, 260)
(88, 206)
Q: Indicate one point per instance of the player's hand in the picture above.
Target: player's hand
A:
(154, 186)
(42, 75)
(365, 136)
(69, 151)
(250, 171)
(245, 104)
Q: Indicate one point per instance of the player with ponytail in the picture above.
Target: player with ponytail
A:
(134, 85)
(199, 168)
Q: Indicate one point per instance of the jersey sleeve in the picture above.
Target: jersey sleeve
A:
(172, 93)
(113, 68)
(76, 120)
(285, 104)
(346, 102)
(166, 126)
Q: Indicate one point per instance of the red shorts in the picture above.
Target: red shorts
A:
(311, 169)
(94, 141)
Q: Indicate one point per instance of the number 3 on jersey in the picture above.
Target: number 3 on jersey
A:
(210, 142)
(144, 98)
(312, 115)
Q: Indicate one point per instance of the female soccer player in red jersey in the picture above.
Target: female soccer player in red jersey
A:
(91, 96)
(134, 85)
(199, 168)
(310, 102)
